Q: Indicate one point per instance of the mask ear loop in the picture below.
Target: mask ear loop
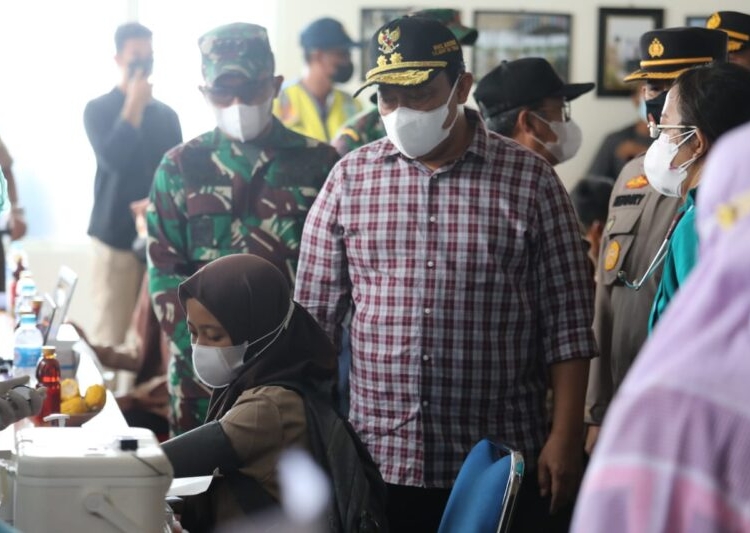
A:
(277, 331)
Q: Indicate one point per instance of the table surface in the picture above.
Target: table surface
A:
(89, 373)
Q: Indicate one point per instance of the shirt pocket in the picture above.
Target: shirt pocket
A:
(209, 224)
(618, 243)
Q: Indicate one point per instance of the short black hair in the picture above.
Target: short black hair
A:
(590, 199)
(714, 98)
(130, 30)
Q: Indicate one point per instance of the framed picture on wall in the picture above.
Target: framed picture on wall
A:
(696, 21)
(510, 35)
(620, 31)
(370, 21)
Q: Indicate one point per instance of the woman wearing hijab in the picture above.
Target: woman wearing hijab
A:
(704, 103)
(247, 334)
(675, 447)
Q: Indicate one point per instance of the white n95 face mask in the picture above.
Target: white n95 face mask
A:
(569, 139)
(657, 164)
(244, 122)
(215, 365)
(416, 133)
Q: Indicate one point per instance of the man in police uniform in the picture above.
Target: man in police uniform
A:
(737, 26)
(639, 220)
(245, 187)
(312, 105)
(367, 126)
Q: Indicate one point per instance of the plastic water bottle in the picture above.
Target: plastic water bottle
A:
(27, 348)
(25, 293)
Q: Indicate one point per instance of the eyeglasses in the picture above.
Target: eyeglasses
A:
(654, 129)
(246, 92)
(564, 111)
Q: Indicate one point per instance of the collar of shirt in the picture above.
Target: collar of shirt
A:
(477, 147)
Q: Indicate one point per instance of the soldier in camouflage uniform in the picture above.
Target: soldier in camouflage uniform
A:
(366, 125)
(244, 187)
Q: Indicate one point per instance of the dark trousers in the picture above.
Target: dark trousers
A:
(414, 509)
(531, 513)
(418, 510)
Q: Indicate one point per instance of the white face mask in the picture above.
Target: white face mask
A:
(662, 176)
(215, 366)
(244, 122)
(569, 139)
(417, 133)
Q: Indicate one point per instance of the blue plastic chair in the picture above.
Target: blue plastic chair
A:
(484, 495)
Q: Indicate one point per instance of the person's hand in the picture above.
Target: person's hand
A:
(152, 395)
(592, 435)
(138, 94)
(559, 470)
(16, 224)
(138, 209)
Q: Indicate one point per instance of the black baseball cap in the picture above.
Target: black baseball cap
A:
(736, 25)
(410, 51)
(325, 34)
(513, 84)
(667, 53)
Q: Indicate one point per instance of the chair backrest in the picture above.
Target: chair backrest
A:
(484, 495)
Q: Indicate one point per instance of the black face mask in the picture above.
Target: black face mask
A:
(144, 64)
(343, 72)
(655, 105)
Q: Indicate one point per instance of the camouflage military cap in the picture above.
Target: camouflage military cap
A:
(240, 47)
(451, 18)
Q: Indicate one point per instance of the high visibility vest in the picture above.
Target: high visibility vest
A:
(296, 109)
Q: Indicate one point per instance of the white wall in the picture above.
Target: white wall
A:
(597, 116)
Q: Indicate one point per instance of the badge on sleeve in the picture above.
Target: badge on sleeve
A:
(638, 182)
(612, 255)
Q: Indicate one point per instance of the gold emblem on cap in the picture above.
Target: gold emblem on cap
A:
(387, 40)
(656, 49)
(713, 22)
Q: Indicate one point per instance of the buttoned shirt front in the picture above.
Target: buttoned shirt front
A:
(466, 282)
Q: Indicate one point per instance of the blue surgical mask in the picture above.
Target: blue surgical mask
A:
(642, 110)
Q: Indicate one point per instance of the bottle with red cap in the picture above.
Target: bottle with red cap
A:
(48, 375)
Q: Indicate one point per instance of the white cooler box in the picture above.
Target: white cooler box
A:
(79, 480)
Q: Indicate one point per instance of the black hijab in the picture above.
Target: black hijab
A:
(250, 298)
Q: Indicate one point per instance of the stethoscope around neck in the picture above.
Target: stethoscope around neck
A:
(659, 257)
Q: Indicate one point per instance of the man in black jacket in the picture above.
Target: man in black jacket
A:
(129, 131)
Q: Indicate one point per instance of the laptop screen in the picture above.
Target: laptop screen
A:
(63, 293)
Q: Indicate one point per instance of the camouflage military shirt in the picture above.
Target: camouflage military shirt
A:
(214, 197)
(361, 129)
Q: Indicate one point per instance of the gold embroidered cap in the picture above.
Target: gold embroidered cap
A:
(410, 51)
(666, 53)
(736, 25)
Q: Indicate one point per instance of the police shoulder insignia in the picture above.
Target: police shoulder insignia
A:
(612, 255)
(637, 183)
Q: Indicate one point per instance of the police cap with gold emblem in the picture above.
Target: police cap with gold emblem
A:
(666, 53)
(410, 51)
(736, 25)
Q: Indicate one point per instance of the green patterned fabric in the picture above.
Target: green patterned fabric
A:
(212, 197)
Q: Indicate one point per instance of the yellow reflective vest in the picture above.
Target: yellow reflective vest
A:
(297, 110)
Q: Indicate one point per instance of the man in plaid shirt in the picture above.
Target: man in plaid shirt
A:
(459, 254)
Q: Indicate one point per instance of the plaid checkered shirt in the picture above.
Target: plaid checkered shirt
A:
(465, 284)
